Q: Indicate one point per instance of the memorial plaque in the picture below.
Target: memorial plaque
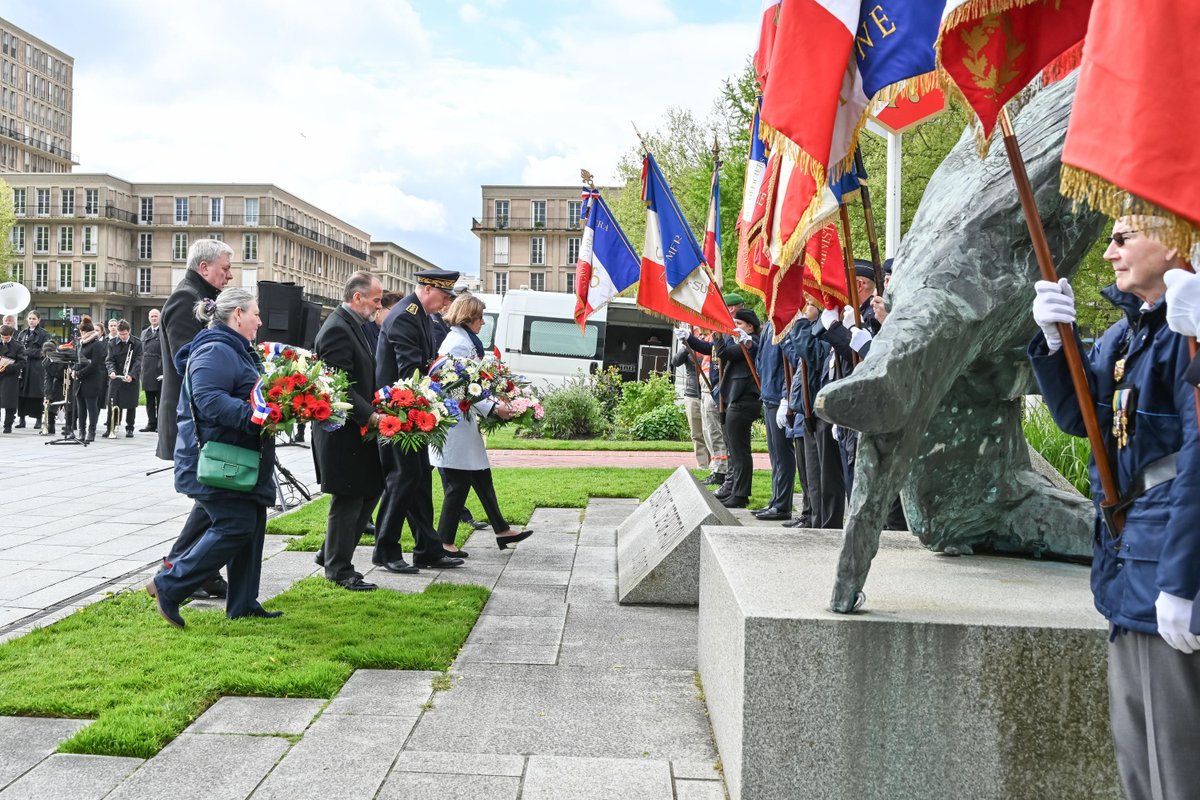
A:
(658, 545)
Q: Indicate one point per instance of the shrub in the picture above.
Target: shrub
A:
(606, 385)
(665, 422)
(639, 398)
(1068, 454)
(572, 413)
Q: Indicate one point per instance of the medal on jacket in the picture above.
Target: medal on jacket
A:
(1119, 370)
(1123, 410)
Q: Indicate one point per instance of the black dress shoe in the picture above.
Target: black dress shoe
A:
(715, 479)
(319, 558)
(798, 522)
(504, 541)
(774, 516)
(216, 587)
(458, 554)
(166, 608)
(399, 566)
(722, 496)
(478, 525)
(369, 530)
(21, 424)
(261, 613)
(356, 584)
(735, 502)
(129, 434)
(445, 562)
(761, 510)
(148, 429)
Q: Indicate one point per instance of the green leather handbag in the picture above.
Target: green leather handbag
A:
(221, 465)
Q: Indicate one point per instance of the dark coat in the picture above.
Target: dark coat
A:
(152, 362)
(769, 361)
(178, 326)
(10, 379)
(31, 342)
(813, 353)
(122, 394)
(684, 357)
(736, 381)
(223, 369)
(405, 343)
(1159, 548)
(90, 377)
(440, 330)
(347, 465)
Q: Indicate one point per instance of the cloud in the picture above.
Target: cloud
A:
(469, 14)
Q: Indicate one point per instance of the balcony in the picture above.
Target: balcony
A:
(511, 224)
(57, 152)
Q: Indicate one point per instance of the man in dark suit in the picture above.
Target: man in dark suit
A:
(348, 467)
(405, 347)
(207, 273)
(152, 370)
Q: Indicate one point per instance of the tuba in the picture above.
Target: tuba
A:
(14, 298)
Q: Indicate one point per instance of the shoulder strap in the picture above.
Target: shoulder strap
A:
(187, 388)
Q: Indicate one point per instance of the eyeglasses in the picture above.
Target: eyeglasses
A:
(1120, 237)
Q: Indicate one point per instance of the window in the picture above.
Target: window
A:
(143, 285)
(67, 202)
(66, 239)
(41, 276)
(572, 251)
(91, 202)
(537, 281)
(17, 271)
(251, 210)
(574, 209)
(179, 247)
(19, 202)
(89, 239)
(570, 283)
(501, 213)
(537, 250)
(250, 247)
(216, 210)
(145, 210)
(17, 237)
(217, 236)
(500, 251)
(41, 239)
(500, 282)
(537, 210)
(64, 276)
(145, 246)
(547, 337)
(43, 202)
(89, 277)
(181, 210)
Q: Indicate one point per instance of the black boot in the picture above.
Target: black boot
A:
(91, 436)
(21, 422)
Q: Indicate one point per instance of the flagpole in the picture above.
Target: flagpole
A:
(869, 218)
(851, 284)
(1070, 346)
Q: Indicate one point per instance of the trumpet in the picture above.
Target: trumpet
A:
(114, 410)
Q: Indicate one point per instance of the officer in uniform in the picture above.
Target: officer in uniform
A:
(406, 346)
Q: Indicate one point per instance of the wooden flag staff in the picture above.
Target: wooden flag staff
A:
(1070, 346)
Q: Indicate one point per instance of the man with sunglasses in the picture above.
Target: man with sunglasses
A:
(1144, 578)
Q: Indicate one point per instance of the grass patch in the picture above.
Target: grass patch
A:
(1068, 454)
(505, 439)
(143, 682)
(519, 491)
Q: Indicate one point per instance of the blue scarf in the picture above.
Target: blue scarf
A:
(476, 342)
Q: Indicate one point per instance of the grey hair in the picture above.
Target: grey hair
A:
(221, 309)
(206, 250)
(359, 282)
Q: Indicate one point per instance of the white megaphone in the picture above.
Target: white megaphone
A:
(14, 298)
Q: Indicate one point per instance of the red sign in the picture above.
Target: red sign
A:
(907, 111)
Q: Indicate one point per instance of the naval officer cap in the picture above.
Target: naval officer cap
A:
(864, 269)
(443, 279)
(887, 267)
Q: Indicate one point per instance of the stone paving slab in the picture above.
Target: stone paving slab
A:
(474, 572)
(436, 786)
(28, 740)
(507, 654)
(553, 778)
(66, 776)
(555, 520)
(534, 577)
(530, 601)
(460, 763)
(586, 590)
(384, 692)
(642, 637)
(571, 711)
(534, 558)
(199, 766)
(258, 715)
(592, 535)
(502, 629)
(696, 770)
(699, 790)
(340, 756)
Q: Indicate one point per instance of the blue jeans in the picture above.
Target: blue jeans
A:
(234, 539)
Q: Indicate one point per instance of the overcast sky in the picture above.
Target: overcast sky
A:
(386, 113)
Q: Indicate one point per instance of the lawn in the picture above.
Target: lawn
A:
(505, 439)
(143, 682)
(520, 491)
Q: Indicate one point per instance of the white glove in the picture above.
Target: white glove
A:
(828, 317)
(781, 416)
(681, 334)
(848, 316)
(858, 338)
(1174, 615)
(1054, 303)
(742, 336)
(1183, 301)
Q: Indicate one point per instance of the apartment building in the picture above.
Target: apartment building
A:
(98, 245)
(529, 238)
(35, 104)
(397, 267)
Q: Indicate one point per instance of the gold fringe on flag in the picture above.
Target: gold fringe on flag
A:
(909, 87)
(1086, 187)
(974, 9)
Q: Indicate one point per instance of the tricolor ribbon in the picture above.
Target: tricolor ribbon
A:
(383, 395)
(261, 412)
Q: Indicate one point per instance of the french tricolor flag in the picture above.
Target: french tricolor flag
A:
(712, 228)
(607, 263)
(676, 280)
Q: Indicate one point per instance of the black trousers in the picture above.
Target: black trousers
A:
(407, 494)
(739, 417)
(806, 507)
(465, 514)
(783, 461)
(194, 528)
(348, 516)
(458, 484)
(88, 413)
(235, 539)
(823, 472)
(152, 399)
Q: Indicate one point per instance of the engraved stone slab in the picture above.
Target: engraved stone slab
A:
(658, 545)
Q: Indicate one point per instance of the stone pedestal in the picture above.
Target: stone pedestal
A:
(972, 677)
(658, 545)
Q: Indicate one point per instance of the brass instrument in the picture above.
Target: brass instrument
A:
(114, 411)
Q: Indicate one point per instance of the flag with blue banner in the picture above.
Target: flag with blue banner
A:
(607, 262)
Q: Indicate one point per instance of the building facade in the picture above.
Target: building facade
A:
(36, 98)
(102, 246)
(397, 267)
(529, 238)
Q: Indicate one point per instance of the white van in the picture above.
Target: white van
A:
(539, 338)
